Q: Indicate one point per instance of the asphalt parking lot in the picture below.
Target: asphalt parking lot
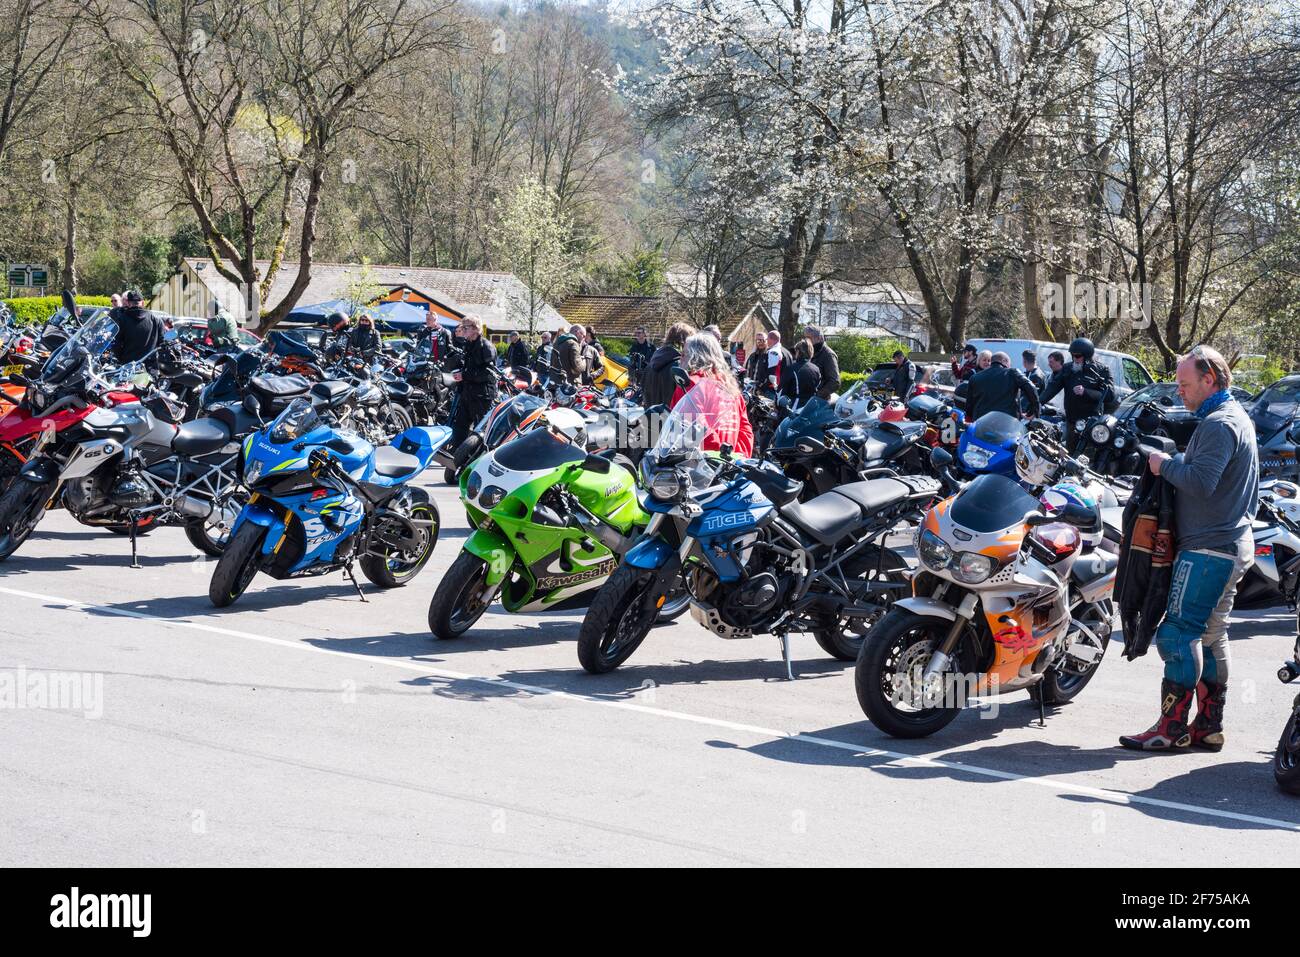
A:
(303, 726)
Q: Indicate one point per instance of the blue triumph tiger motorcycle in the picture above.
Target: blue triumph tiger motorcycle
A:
(324, 498)
(755, 560)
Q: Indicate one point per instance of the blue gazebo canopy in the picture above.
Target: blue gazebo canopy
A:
(316, 314)
(405, 316)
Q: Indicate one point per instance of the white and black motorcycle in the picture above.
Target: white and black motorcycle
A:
(124, 466)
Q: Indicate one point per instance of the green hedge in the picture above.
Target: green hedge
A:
(37, 309)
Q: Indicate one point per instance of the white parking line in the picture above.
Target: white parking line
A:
(1053, 784)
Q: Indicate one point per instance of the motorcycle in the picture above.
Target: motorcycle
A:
(755, 560)
(324, 498)
(1005, 598)
(1286, 759)
(116, 462)
(551, 521)
(988, 445)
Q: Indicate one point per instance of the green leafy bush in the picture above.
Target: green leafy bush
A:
(860, 354)
(37, 309)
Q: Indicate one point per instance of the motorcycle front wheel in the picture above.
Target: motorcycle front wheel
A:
(22, 505)
(618, 620)
(1286, 760)
(461, 597)
(238, 565)
(888, 675)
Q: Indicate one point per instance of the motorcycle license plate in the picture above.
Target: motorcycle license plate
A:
(13, 369)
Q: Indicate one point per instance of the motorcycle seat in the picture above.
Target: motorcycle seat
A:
(1093, 565)
(827, 518)
(390, 463)
(200, 437)
(331, 392)
(875, 495)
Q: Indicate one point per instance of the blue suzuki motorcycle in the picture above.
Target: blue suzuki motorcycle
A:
(988, 446)
(754, 558)
(324, 498)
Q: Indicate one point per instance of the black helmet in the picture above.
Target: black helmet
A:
(1082, 347)
(335, 318)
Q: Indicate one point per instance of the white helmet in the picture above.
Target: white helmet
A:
(1072, 493)
(1033, 468)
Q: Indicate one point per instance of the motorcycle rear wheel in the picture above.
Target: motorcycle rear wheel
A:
(394, 571)
(617, 621)
(1286, 760)
(22, 506)
(238, 565)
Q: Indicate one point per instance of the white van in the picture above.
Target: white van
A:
(1127, 372)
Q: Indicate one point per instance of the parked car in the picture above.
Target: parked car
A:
(192, 331)
(1127, 372)
(1274, 413)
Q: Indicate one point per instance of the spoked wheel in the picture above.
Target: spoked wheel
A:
(1286, 760)
(889, 676)
(391, 566)
(618, 620)
(210, 535)
(461, 597)
(843, 637)
(238, 565)
(22, 505)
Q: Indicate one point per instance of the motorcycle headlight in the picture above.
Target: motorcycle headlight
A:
(973, 568)
(1120, 441)
(492, 496)
(253, 472)
(473, 485)
(976, 457)
(933, 550)
(1100, 433)
(1080, 425)
(666, 484)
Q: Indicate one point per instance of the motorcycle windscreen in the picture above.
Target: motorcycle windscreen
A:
(505, 420)
(90, 344)
(997, 428)
(812, 420)
(681, 437)
(293, 423)
(992, 502)
(536, 451)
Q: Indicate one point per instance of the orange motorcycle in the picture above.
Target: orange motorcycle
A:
(1012, 592)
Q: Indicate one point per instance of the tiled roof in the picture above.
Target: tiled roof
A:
(620, 315)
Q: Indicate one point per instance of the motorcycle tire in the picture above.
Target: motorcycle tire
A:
(200, 534)
(1286, 760)
(836, 640)
(387, 572)
(617, 621)
(22, 506)
(397, 421)
(461, 597)
(890, 639)
(238, 565)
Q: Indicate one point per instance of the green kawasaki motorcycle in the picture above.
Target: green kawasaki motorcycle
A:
(551, 523)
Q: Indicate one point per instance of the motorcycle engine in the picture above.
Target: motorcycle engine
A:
(739, 608)
(130, 491)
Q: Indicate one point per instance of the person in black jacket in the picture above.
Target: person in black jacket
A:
(1033, 374)
(1086, 386)
(517, 352)
(477, 378)
(638, 357)
(756, 363)
(826, 361)
(802, 379)
(995, 390)
(544, 358)
(569, 361)
(660, 382)
(434, 340)
(904, 375)
(139, 331)
(593, 356)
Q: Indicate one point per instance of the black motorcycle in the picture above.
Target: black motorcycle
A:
(1286, 760)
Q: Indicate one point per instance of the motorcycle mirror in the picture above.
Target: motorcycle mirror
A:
(1079, 516)
(251, 405)
(940, 458)
(594, 463)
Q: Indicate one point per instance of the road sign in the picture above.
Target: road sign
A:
(28, 275)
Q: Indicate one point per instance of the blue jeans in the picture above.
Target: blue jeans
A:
(1193, 636)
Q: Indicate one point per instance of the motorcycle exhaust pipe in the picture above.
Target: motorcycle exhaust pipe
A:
(191, 506)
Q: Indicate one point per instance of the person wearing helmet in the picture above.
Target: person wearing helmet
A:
(139, 331)
(1086, 386)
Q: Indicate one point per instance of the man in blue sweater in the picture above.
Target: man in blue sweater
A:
(1217, 486)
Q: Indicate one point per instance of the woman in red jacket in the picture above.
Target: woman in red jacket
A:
(716, 394)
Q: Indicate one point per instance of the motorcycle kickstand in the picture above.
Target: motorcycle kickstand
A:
(133, 518)
(347, 570)
(785, 653)
(1042, 711)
